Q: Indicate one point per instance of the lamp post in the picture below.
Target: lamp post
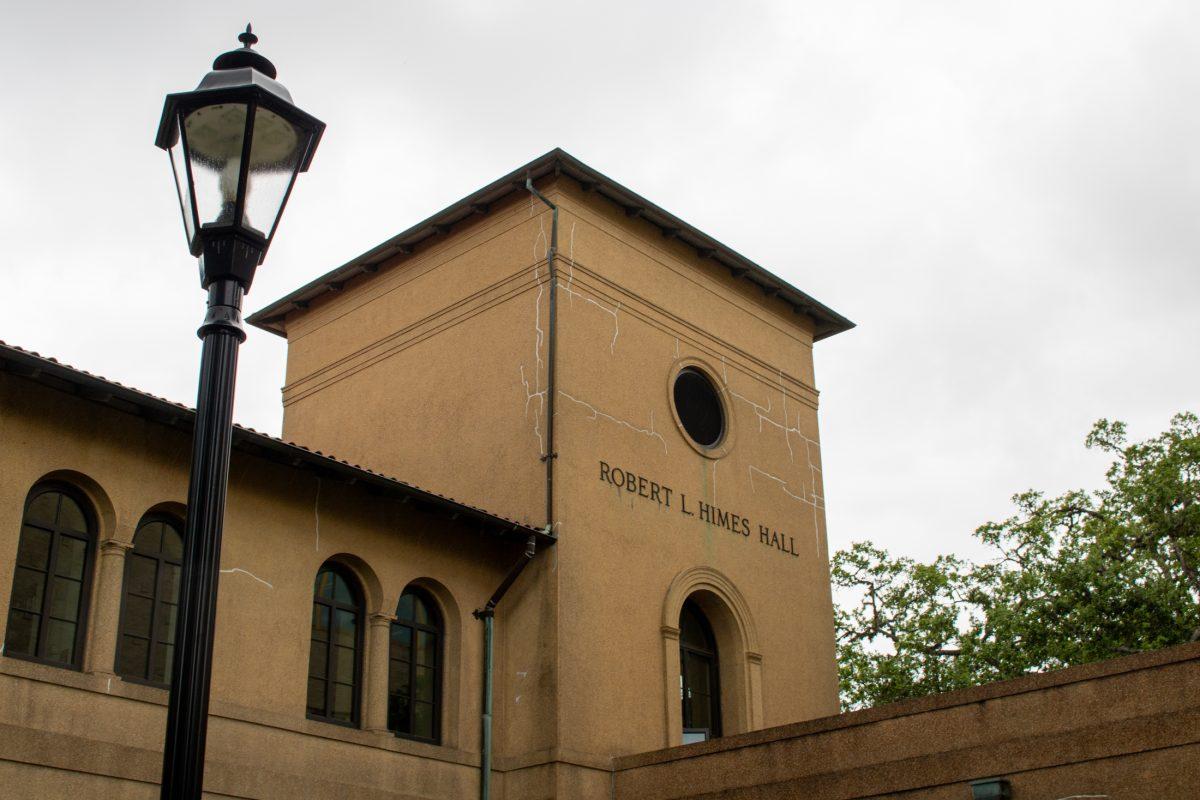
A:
(236, 145)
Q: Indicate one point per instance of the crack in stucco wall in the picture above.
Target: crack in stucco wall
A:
(597, 414)
(539, 337)
(248, 573)
(765, 414)
(571, 293)
(317, 518)
(783, 484)
(816, 503)
(537, 416)
(533, 389)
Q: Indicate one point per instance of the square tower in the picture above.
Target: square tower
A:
(578, 358)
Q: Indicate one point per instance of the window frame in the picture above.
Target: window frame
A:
(712, 389)
(85, 589)
(712, 659)
(160, 559)
(358, 608)
(439, 633)
(725, 442)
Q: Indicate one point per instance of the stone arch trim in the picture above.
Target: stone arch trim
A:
(447, 604)
(742, 701)
(368, 581)
(102, 508)
(170, 508)
(708, 579)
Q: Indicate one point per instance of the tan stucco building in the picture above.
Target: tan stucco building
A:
(576, 368)
(555, 406)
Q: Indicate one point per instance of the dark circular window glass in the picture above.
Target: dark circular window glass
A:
(699, 407)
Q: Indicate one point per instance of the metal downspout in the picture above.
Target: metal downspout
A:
(485, 757)
(551, 355)
(488, 614)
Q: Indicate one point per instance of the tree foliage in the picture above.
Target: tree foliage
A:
(1075, 578)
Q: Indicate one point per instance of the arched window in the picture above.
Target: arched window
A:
(51, 580)
(415, 668)
(149, 601)
(698, 683)
(335, 654)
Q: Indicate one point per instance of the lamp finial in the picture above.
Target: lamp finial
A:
(245, 56)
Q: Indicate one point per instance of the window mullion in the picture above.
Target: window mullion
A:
(360, 632)
(158, 576)
(51, 569)
(90, 548)
(412, 684)
(122, 621)
(329, 663)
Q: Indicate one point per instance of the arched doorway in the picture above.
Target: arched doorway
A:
(730, 637)
(699, 681)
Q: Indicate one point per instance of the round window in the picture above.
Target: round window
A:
(698, 406)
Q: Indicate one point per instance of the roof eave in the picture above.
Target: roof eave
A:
(56, 375)
(826, 321)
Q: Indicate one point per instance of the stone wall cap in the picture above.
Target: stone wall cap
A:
(1080, 673)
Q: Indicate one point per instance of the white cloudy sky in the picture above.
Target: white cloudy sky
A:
(1004, 196)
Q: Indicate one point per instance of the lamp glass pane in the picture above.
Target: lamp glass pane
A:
(214, 136)
(179, 170)
(275, 149)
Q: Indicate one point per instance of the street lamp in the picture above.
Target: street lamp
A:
(236, 145)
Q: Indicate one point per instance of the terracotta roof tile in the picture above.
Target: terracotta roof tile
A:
(35, 363)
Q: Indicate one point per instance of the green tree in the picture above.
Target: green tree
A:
(1075, 578)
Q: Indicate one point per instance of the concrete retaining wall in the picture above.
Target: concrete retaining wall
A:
(1128, 728)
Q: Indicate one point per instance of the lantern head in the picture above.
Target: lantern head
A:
(236, 144)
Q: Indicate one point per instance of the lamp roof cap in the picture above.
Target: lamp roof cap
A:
(245, 56)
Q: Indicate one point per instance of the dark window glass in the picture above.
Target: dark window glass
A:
(335, 647)
(43, 509)
(48, 606)
(149, 603)
(699, 688)
(414, 668)
(34, 548)
(699, 407)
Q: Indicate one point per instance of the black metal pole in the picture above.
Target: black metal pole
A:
(187, 710)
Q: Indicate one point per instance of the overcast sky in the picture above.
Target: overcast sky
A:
(1004, 196)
